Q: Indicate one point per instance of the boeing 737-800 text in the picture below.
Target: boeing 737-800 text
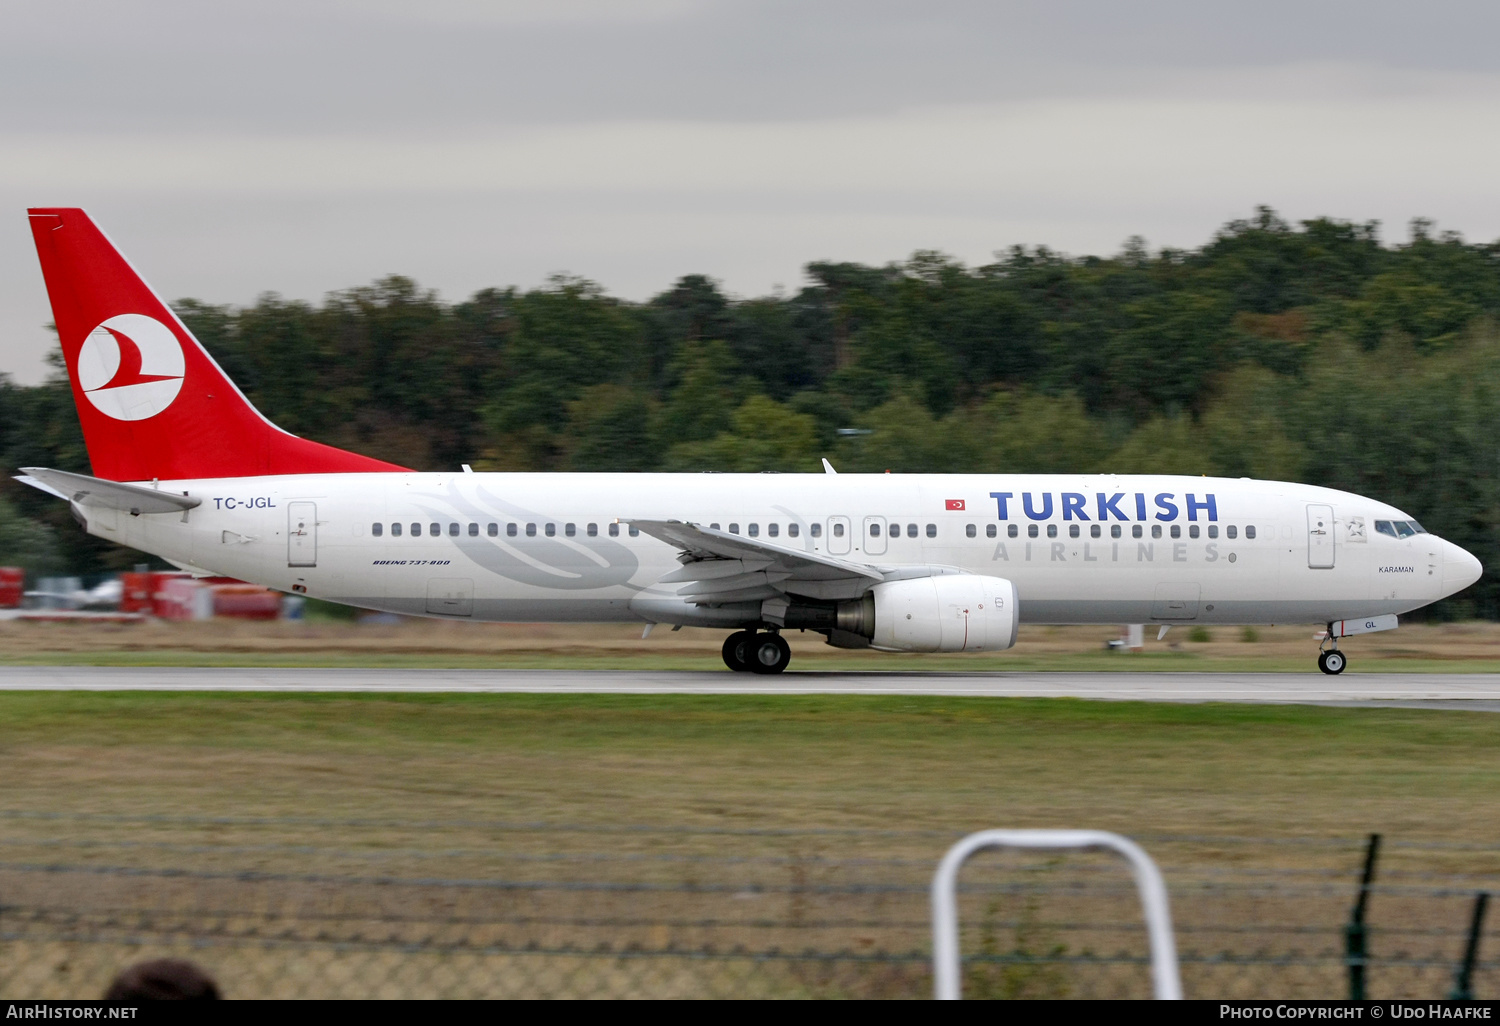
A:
(185, 468)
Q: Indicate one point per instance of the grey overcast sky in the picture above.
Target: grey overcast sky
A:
(298, 147)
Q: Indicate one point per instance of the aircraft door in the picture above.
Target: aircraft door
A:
(838, 536)
(874, 536)
(1320, 537)
(302, 534)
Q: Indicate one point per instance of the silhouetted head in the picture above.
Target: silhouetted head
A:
(163, 979)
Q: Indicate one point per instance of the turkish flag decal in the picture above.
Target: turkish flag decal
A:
(955, 504)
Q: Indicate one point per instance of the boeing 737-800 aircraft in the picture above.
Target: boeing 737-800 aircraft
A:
(188, 470)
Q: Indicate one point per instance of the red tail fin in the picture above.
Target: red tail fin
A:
(153, 403)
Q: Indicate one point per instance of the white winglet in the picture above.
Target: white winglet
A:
(828, 467)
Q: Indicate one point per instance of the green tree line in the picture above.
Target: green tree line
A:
(1308, 352)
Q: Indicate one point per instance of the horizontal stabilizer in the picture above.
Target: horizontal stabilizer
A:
(92, 491)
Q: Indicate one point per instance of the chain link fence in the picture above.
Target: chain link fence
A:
(289, 907)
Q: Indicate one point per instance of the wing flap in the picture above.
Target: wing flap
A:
(714, 569)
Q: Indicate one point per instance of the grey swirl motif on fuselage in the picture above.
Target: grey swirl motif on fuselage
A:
(567, 568)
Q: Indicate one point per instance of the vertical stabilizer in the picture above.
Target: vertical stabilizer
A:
(152, 402)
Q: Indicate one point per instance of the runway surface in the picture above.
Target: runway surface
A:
(1473, 691)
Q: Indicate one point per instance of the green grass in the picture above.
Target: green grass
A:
(748, 759)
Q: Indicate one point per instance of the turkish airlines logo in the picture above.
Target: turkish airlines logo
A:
(131, 367)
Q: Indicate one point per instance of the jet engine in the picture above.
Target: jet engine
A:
(946, 613)
(951, 613)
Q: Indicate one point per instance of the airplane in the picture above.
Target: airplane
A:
(185, 468)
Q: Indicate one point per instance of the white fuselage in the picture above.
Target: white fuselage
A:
(550, 547)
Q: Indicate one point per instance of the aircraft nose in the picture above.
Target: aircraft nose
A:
(1460, 568)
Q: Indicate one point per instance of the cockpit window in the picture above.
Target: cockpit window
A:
(1417, 527)
(1403, 529)
(1385, 527)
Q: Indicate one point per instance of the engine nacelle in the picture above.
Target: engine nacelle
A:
(949, 613)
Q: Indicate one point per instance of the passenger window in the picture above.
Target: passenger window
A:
(416, 530)
(614, 530)
(714, 527)
(816, 530)
(734, 528)
(635, 532)
(911, 530)
(473, 530)
(1231, 532)
(592, 530)
(970, 531)
(874, 530)
(1156, 530)
(570, 530)
(1249, 532)
(1213, 530)
(434, 529)
(792, 530)
(1135, 530)
(932, 530)
(1012, 531)
(1032, 531)
(754, 531)
(990, 531)
(838, 530)
(1176, 531)
(531, 530)
(1114, 531)
(395, 530)
(772, 530)
(377, 529)
(1072, 530)
(1192, 531)
(1095, 531)
(551, 530)
(510, 530)
(1051, 530)
(452, 530)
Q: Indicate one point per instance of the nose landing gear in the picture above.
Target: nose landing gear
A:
(755, 652)
(1330, 660)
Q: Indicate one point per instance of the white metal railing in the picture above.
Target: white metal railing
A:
(946, 979)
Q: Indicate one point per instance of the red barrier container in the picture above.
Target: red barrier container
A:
(162, 604)
(12, 586)
(246, 601)
(182, 598)
(136, 592)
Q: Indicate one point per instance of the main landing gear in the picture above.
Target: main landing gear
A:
(756, 652)
(1330, 659)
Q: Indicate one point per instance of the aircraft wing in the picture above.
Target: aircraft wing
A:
(93, 491)
(719, 567)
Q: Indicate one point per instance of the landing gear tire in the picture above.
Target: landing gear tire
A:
(737, 651)
(1332, 661)
(769, 653)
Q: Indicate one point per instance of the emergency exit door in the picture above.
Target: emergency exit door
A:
(1320, 537)
(302, 534)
